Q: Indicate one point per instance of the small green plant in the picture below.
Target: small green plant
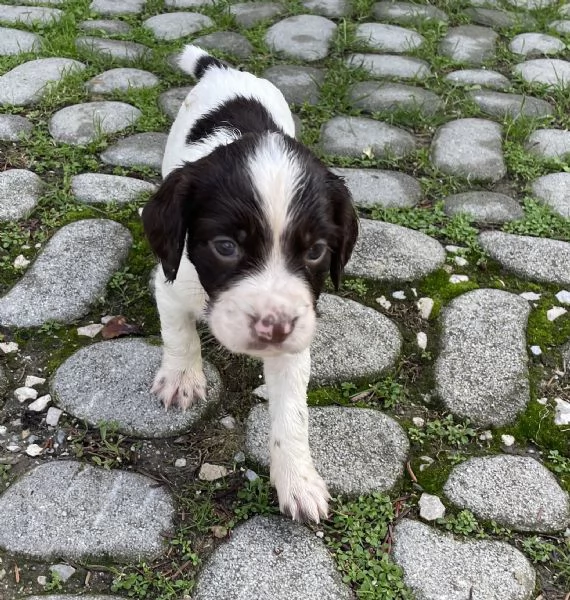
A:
(5, 474)
(537, 549)
(358, 286)
(255, 498)
(358, 539)
(445, 430)
(558, 463)
(54, 583)
(463, 523)
(146, 582)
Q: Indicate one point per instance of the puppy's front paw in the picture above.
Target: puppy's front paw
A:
(179, 388)
(302, 493)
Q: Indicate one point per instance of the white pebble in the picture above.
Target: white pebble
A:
(431, 507)
(13, 447)
(536, 350)
(543, 401)
(486, 435)
(563, 296)
(251, 475)
(21, 262)
(320, 534)
(210, 472)
(455, 278)
(228, 422)
(40, 404)
(9, 347)
(25, 393)
(140, 210)
(453, 249)
(530, 296)
(508, 440)
(418, 421)
(90, 330)
(562, 416)
(42, 580)
(53, 415)
(179, 463)
(555, 312)
(3, 430)
(64, 571)
(422, 340)
(399, 295)
(384, 302)
(425, 306)
(34, 450)
(106, 319)
(261, 392)
(32, 380)
(460, 261)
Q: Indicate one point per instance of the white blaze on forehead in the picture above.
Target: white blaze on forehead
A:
(276, 175)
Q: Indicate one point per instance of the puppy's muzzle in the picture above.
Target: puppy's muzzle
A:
(272, 329)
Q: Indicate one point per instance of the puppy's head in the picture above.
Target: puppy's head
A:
(264, 223)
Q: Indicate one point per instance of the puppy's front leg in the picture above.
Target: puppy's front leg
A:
(302, 492)
(180, 379)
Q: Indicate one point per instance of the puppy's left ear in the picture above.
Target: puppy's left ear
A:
(346, 221)
(165, 221)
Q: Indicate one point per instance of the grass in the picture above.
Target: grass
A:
(358, 535)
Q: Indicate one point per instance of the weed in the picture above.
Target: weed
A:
(255, 498)
(54, 583)
(444, 430)
(537, 549)
(358, 286)
(558, 463)
(463, 523)
(357, 537)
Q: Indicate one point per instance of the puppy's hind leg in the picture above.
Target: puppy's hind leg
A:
(180, 380)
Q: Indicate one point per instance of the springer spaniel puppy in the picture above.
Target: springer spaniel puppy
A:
(247, 224)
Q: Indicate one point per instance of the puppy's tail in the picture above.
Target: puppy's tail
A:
(196, 61)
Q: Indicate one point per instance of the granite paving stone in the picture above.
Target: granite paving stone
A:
(552, 72)
(249, 14)
(113, 49)
(268, 557)
(93, 188)
(111, 381)
(538, 259)
(549, 143)
(226, 41)
(531, 4)
(437, 565)
(388, 252)
(30, 15)
(407, 13)
(304, 37)
(536, 44)
(14, 127)
(16, 41)
(355, 450)
(298, 84)
(373, 96)
(351, 136)
(68, 276)
(74, 597)
(81, 124)
(20, 191)
(27, 83)
(388, 38)
(175, 25)
(390, 66)
(328, 8)
(171, 100)
(484, 206)
(121, 79)
(561, 26)
(375, 187)
(110, 26)
(499, 19)
(469, 148)
(554, 191)
(111, 8)
(352, 342)
(500, 104)
(139, 150)
(187, 3)
(75, 511)
(479, 375)
(469, 44)
(479, 77)
(514, 491)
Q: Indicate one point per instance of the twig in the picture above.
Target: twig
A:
(411, 473)
(17, 573)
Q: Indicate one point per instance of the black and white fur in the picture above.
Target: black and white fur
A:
(247, 225)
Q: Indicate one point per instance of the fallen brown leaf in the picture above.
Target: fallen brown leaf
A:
(118, 326)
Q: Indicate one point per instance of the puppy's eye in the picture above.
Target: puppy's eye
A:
(316, 252)
(225, 248)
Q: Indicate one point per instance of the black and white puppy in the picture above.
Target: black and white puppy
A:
(247, 224)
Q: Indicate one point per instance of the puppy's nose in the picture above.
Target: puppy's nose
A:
(271, 329)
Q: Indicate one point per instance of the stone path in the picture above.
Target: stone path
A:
(440, 367)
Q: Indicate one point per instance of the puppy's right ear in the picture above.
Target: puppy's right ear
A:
(164, 220)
